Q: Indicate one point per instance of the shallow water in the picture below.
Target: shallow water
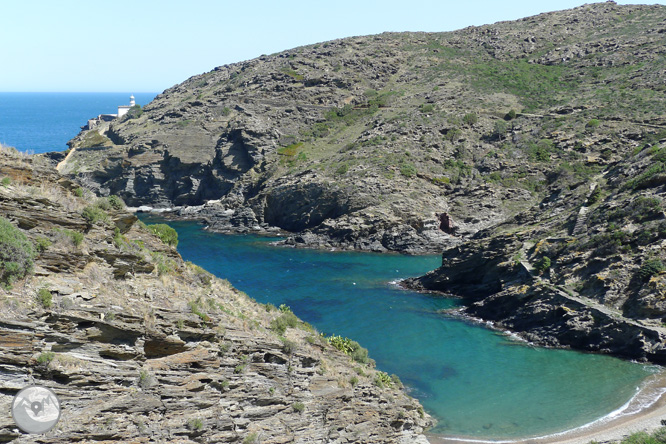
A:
(475, 381)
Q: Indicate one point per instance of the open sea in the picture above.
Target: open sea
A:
(476, 382)
(43, 122)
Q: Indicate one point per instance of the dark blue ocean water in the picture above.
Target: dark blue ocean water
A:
(43, 122)
(475, 381)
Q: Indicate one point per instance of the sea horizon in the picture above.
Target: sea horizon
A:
(40, 122)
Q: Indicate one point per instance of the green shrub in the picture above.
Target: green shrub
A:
(74, 236)
(5, 181)
(382, 379)
(349, 347)
(280, 324)
(196, 308)
(16, 253)
(453, 134)
(146, 380)
(45, 358)
(592, 124)
(353, 381)
(298, 407)
(195, 424)
(44, 297)
(78, 192)
(470, 118)
(288, 346)
(408, 169)
(649, 268)
(252, 438)
(510, 115)
(42, 244)
(543, 264)
(166, 234)
(94, 214)
(133, 113)
(342, 169)
(116, 202)
(500, 128)
(427, 108)
(644, 180)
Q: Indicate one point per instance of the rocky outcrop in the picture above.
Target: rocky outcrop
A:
(594, 282)
(141, 347)
(361, 142)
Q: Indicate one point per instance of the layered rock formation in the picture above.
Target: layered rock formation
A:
(360, 142)
(140, 346)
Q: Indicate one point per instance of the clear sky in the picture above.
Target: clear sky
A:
(150, 45)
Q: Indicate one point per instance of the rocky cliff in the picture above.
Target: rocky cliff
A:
(584, 270)
(360, 142)
(142, 347)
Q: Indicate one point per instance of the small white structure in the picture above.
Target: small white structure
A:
(123, 109)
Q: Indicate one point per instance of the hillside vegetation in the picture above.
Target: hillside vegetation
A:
(359, 142)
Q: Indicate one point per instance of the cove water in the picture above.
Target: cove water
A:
(43, 122)
(476, 382)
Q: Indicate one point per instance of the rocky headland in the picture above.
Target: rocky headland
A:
(141, 346)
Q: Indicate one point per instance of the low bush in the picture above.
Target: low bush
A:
(649, 268)
(116, 202)
(166, 234)
(45, 358)
(44, 297)
(543, 264)
(350, 347)
(382, 379)
(74, 236)
(17, 253)
(408, 169)
(195, 424)
(470, 118)
(298, 407)
(94, 214)
(280, 324)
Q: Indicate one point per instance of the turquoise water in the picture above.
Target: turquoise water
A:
(474, 381)
(43, 122)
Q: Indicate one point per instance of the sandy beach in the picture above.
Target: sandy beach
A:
(644, 413)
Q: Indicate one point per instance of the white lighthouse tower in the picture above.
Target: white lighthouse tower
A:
(122, 109)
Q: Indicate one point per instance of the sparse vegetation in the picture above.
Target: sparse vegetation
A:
(45, 358)
(16, 253)
(44, 297)
(298, 407)
(650, 268)
(166, 234)
(195, 424)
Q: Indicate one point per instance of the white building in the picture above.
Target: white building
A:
(123, 109)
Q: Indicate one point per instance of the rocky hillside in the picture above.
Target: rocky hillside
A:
(586, 269)
(360, 142)
(142, 347)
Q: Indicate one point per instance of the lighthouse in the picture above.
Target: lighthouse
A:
(122, 109)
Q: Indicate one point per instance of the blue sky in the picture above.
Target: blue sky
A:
(150, 45)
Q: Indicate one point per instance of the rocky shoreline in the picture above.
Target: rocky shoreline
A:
(141, 346)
